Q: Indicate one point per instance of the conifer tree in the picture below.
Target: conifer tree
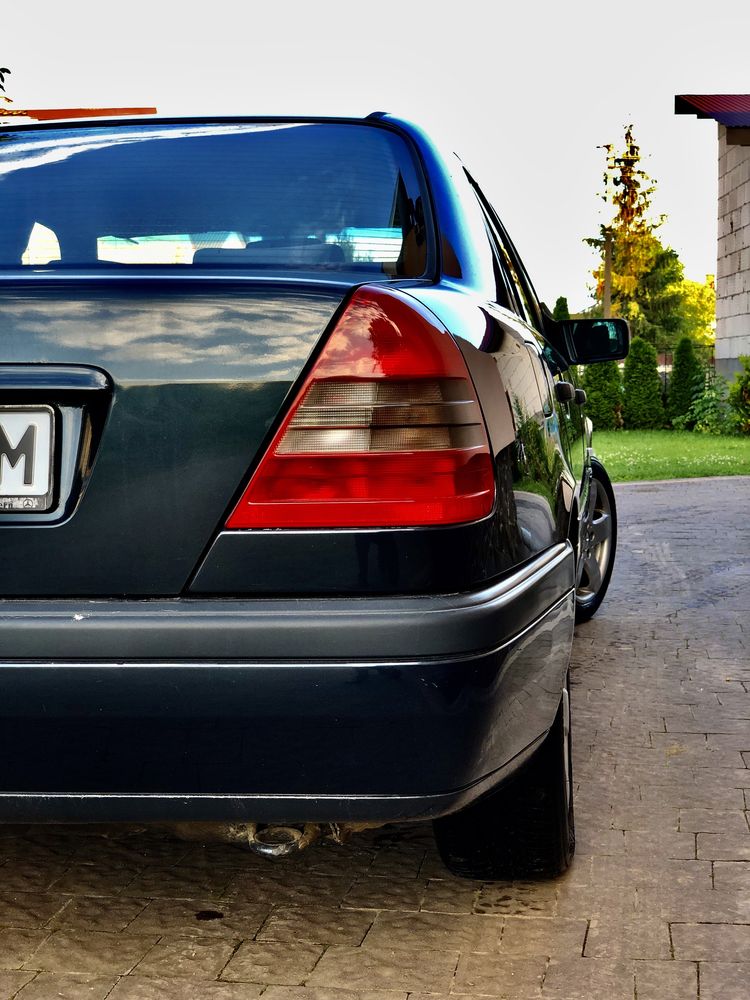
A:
(561, 311)
(687, 376)
(648, 284)
(603, 387)
(642, 405)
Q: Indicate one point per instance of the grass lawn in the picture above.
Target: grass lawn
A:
(630, 455)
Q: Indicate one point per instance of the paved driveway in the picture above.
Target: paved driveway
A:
(655, 907)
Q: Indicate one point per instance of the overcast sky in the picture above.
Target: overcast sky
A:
(523, 92)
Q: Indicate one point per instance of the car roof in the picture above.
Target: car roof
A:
(103, 121)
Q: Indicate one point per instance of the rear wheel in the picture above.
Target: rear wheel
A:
(598, 542)
(526, 828)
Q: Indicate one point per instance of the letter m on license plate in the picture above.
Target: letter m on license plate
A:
(26, 452)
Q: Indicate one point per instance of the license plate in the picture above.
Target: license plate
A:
(26, 452)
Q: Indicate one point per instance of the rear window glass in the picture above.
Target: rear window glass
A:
(248, 196)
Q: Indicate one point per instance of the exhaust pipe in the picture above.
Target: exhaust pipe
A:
(269, 840)
(280, 841)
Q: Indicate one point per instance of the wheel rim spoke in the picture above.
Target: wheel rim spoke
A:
(591, 505)
(601, 529)
(593, 573)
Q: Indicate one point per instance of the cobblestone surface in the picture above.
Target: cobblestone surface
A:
(655, 907)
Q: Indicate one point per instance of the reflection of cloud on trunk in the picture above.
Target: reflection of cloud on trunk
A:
(258, 335)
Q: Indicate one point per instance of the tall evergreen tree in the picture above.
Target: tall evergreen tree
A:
(642, 405)
(648, 284)
(603, 387)
(561, 311)
(687, 376)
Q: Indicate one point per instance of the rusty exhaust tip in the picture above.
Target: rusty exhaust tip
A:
(280, 841)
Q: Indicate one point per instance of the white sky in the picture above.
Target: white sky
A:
(523, 92)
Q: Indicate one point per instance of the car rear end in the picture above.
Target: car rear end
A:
(255, 560)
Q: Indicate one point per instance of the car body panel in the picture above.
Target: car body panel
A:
(156, 665)
(196, 385)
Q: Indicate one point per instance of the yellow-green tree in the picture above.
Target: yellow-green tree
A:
(699, 310)
(648, 283)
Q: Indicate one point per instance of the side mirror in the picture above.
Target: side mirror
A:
(590, 340)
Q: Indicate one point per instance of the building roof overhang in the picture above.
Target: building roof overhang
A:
(732, 110)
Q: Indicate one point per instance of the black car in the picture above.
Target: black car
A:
(298, 505)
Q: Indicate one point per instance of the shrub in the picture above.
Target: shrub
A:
(642, 404)
(603, 387)
(709, 413)
(687, 379)
(739, 395)
(561, 311)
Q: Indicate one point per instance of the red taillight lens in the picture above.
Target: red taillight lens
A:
(385, 432)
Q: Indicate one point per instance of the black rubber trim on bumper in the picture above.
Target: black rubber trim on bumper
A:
(309, 628)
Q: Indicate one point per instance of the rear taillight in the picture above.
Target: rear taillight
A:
(386, 430)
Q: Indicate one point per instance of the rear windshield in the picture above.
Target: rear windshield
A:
(248, 196)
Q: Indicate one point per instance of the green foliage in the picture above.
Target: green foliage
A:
(687, 378)
(648, 284)
(603, 387)
(709, 412)
(698, 310)
(561, 311)
(642, 405)
(630, 455)
(739, 395)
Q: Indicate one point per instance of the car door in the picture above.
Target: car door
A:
(547, 451)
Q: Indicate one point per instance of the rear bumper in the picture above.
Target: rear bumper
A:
(320, 710)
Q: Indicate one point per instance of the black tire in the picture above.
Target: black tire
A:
(597, 544)
(526, 828)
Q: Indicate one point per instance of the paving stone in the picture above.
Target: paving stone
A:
(594, 900)
(90, 953)
(179, 883)
(711, 942)
(652, 844)
(96, 880)
(543, 936)
(616, 937)
(316, 925)
(200, 918)
(30, 876)
(724, 981)
(180, 956)
(671, 980)
(724, 846)
(732, 876)
(98, 913)
(135, 987)
(450, 896)
(324, 993)
(56, 986)
(398, 863)
(386, 968)
(713, 821)
(290, 887)
(513, 898)
(11, 983)
(677, 905)
(17, 945)
(492, 975)
(382, 894)
(29, 909)
(435, 931)
(273, 962)
(588, 979)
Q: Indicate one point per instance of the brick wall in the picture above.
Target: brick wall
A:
(733, 257)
